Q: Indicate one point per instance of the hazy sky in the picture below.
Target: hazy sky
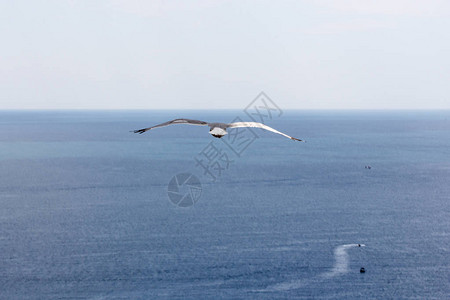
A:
(220, 54)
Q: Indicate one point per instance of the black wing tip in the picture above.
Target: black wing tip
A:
(295, 139)
(140, 131)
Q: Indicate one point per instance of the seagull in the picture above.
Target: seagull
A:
(217, 130)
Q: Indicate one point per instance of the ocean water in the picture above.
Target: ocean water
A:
(85, 212)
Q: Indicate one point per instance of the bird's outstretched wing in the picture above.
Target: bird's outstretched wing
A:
(176, 121)
(262, 126)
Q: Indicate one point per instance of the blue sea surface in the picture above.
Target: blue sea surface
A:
(85, 212)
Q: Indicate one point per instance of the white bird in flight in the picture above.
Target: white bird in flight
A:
(217, 130)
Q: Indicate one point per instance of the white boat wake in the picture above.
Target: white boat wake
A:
(341, 260)
(340, 267)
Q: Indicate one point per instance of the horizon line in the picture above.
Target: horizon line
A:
(218, 109)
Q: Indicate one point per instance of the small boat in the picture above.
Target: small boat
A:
(362, 270)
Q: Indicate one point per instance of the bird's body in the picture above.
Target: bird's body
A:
(217, 130)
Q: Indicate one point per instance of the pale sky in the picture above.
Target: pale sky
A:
(135, 54)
